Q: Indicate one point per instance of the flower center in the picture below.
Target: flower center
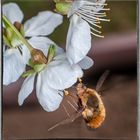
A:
(39, 61)
(38, 57)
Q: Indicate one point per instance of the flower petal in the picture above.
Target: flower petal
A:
(78, 40)
(14, 66)
(61, 75)
(12, 12)
(76, 5)
(60, 57)
(86, 63)
(42, 24)
(43, 43)
(25, 54)
(48, 97)
(26, 89)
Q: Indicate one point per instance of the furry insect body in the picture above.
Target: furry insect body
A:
(90, 105)
(94, 111)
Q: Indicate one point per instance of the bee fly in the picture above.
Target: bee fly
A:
(90, 105)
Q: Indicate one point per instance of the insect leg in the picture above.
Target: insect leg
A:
(73, 100)
(66, 121)
(72, 105)
(66, 111)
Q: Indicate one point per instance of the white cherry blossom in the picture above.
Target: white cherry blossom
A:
(52, 80)
(91, 11)
(41, 25)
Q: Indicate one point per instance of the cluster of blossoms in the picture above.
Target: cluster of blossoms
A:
(29, 53)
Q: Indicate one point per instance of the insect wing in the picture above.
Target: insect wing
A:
(101, 80)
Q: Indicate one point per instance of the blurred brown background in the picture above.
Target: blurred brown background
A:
(116, 52)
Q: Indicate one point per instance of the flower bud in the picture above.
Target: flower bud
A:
(63, 6)
(38, 57)
(19, 27)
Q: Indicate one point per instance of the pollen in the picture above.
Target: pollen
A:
(66, 92)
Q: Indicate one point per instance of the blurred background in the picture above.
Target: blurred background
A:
(117, 52)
